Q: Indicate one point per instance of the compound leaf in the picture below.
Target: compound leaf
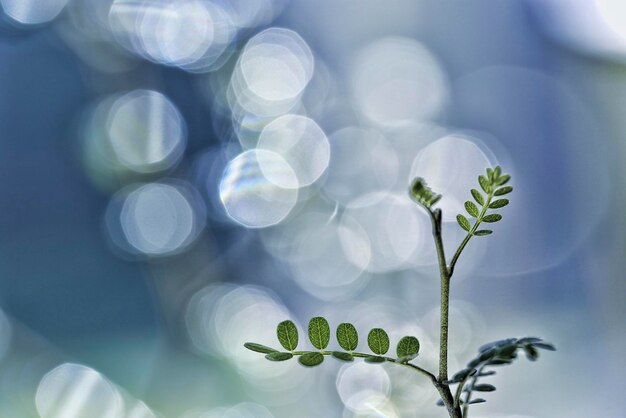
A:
(278, 356)
(319, 332)
(347, 336)
(259, 348)
(378, 341)
(494, 217)
(287, 335)
(408, 348)
(311, 359)
(463, 222)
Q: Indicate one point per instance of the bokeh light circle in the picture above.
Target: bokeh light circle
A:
(258, 188)
(396, 81)
(301, 142)
(77, 391)
(146, 131)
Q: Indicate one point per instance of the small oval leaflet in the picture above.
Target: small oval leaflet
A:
(503, 190)
(471, 209)
(463, 222)
(319, 332)
(278, 356)
(287, 335)
(478, 197)
(311, 359)
(374, 359)
(483, 232)
(503, 180)
(378, 341)
(494, 217)
(484, 183)
(500, 203)
(259, 348)
(340, 355)
(408, 348)
(477, 400)
(483, 387)
(347, 336)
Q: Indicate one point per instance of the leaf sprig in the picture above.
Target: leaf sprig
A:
(493, 185)
(497, 353)
(347, 337)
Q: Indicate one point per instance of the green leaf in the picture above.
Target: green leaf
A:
(483, 232)
(477, 400)
(500, 203)
(463, 222)
(471, 209)
(422, 194)
(545, 346)
(375, 359)
(484, 183)
(478, 197)
(503, 190)
(497, 172)
(319, 332)
(347, 336)
(287, 335)
(340, 355)
(408, 348)
(311, 359)
(503, 179)
(483, 387)
(259, 348)
(378, 341)
(494, 217)
(489, 174)
(278, 356)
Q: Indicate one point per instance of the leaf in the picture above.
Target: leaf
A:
(440, 402)
(478, 197)
(487, 373)
(463, 222)
(500, 203)
(340, 355)
(531, 352)
(374, 359)
(422, 194)
(378, 341)
(489, 174)
(319, 332)
(545, 346)
(278, 356)
(287, 335)
(497, 172)
(483, 387)
(477, 400)
(408, 348)
(494, 217)
(503, 190)
(483, 232)
(484, 183)
(311, 359)
(503, 179)
(471, 209)
(259, 348)
(347, 336)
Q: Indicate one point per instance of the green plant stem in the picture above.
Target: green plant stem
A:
(445, 295)
(415, 367)
(470, 234)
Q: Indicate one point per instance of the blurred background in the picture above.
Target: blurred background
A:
(178, 176)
